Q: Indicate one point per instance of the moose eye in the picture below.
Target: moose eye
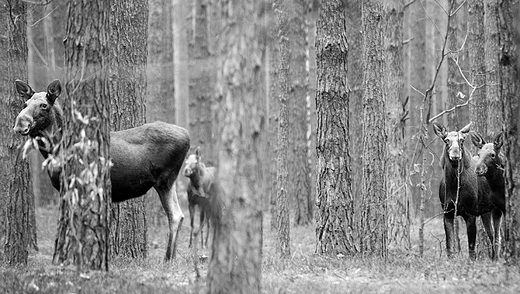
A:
(44, 105)
(492, 155)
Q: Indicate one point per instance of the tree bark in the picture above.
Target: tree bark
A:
(128, 54)
(181, 63)
(298, 90)
(399, 196)
(282, 185)
(235, 265)
(373, 221)
(83, 224)
(335, 221)
(16, 198)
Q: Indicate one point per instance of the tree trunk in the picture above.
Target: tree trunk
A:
(235, 265)
(335, 221)
(201, 73)
(399, 197)
(509, 90)
(373, 221)
(181, 68)
(282, 161)
(16, 197)
(129, 32)
(355, 86)
(298, 89)
(475, 43)
(83, 223)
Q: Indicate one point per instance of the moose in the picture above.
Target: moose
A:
(462, 192)
(201, 188)
(491, 166)
(143, 157)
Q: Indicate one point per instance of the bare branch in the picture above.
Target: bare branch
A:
(458, 8)
(408, 4)
(445, 11)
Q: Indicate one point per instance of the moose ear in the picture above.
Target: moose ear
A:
(477, 140)
(499, 141)
(197, 152)
(24, 89)
(53, 90)
(466, 129)
(439, 130)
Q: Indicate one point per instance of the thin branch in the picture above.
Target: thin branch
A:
(430, 18)
(445, 11)
(458, 8)
(408, 4)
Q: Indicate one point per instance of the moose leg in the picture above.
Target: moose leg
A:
(488, 226)
(170, 203)
(201, 225)
(471, 228)
(191, 208)
(449, 231)
(497, 223)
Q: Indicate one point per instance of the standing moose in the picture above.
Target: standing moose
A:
(143, 157)
(462, 192)
(491, 166)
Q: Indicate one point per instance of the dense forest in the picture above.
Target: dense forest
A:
(322, 138)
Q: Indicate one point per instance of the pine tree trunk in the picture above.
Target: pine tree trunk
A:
(181, 63)
(335, 221)
(399, 197)
(83, 224)
(282, 161)
(16, 198)
(299, 178)
(235, 265)
(373, 221)
(201, 83)
(129, 32)
(510, 85)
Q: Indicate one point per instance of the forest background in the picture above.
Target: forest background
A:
(446, 66)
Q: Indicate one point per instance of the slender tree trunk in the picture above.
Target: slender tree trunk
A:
(374, 222)
(335, 221)
(475, 43)
(181, 62)
(201, 83)
(129, 32)
(399, 196)
(83, 224)
(299, 178)
(281, 9)
(16, 197)
(235, 265)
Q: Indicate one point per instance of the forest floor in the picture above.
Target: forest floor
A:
(303, 272)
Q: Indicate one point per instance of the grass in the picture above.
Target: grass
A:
(303, 272)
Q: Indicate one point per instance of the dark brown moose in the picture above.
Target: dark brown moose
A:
(143, 157)
(462, 192)
(491, 166)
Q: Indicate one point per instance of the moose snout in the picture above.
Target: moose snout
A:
(481, 169)
(187, 172)
(23, 125)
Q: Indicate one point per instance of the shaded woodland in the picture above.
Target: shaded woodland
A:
(317, 115)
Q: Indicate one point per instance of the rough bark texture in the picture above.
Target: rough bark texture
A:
(16, 198)
(235, 265)
(399, 196)
(509, 91)
(373, 220)
(475, 43)
(85, 179)
(335, 220)
(282, 161)
(128, 53)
